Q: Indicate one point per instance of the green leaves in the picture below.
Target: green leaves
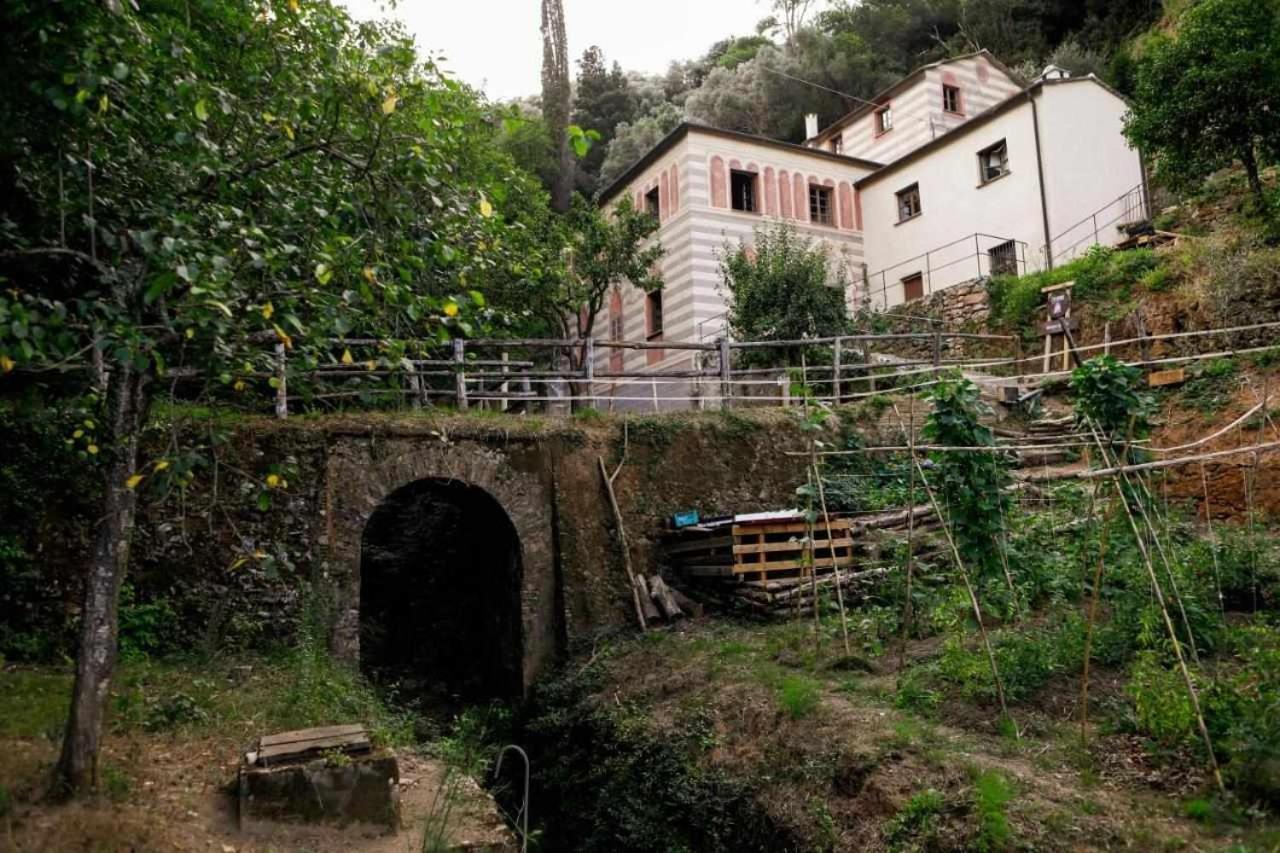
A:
(1113, 395)
(969, 484)
(201, 110)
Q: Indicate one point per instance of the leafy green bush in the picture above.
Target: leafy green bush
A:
(1161, 706)
(1112, 394)
(1158, 280)
(147, 629)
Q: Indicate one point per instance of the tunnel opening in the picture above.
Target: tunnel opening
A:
(440, 579)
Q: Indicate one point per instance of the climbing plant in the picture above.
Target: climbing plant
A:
(1110, 394)
(971, 485)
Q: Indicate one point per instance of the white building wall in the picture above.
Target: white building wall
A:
(1088, 166)
(940, 244)
(918, 114)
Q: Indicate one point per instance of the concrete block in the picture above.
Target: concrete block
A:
(360, 789)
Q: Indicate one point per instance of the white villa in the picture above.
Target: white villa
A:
(956, 171)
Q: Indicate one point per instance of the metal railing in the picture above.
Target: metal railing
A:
(973, 256)
(1129, 208)
(550, 374)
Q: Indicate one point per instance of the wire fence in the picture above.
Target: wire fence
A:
(558, 375)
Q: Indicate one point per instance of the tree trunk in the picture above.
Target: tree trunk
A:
(77, 769)
(1250, 161)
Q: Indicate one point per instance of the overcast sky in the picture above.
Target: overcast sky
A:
(496, 44)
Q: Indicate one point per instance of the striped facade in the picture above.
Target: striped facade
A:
(698, 224)
(932, 152)
(917, 108)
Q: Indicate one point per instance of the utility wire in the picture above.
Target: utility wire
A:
(819, 86)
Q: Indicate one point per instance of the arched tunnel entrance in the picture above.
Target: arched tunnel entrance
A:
(440, 580)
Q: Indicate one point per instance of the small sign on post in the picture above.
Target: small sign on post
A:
(1058, 322)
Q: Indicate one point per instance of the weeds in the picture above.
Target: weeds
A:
(992, 793)
(799, 696)
(916, 822)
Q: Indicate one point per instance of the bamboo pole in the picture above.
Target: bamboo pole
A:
(622, 531)
(1164, 612)
(1093, 619)
(1213, 544)
(826, 520)
(973, 596)
(907, 605)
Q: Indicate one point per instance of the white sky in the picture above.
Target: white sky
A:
(496, 45)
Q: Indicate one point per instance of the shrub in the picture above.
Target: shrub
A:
(1162, 709)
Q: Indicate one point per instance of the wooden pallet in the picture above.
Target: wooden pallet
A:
(764, 551)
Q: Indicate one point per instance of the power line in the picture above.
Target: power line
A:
(819, 86)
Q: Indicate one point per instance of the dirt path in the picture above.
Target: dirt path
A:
(178, 799)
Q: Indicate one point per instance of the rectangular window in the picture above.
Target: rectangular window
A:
(993, 162)
(909, 203)
(837, 143)
(652, 202)
(653, 313)
(950, 98)
(884, 119)
(912, 287)
(1004, 258)
(743, 188)
(820, 205)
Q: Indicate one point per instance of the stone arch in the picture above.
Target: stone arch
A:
(440, 582)
(362, 473)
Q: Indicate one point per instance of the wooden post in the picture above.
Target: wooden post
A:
(589, 369)
(622, 542)
(282, 389)
(505, 386)
(1106, 338)
(937, 353)
(835, 373)
(460, 378)
(726, 374)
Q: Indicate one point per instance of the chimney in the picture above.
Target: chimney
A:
(810, 125)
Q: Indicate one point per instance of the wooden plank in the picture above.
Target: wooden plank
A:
(796, 527)
(302, 735)
(822, 562)
(770, 547)
(725, 571)
(695, 545)
(1176, 376)
(309, 749)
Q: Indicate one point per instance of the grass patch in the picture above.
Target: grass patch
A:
(288, 692)
(1100, 274)
(799, 696)
(915, 824)
(33, 703)
(991, 795)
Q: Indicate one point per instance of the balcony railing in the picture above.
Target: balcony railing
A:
(970, 257)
